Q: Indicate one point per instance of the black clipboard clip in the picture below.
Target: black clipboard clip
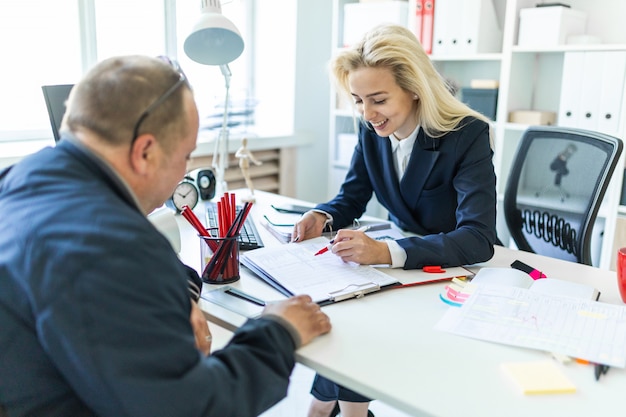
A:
(353, 291)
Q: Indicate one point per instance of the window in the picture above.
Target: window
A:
(126, 27)
(53, 42)
(41, 45)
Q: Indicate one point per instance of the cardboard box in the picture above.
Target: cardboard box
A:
(483, 100)
(484, 83)
(358, 18)
(532, 117)
(549, 26)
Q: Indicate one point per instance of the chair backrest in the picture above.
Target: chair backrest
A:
(55, 97)
(556, 184)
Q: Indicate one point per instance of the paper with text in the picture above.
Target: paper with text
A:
(575, 327)
(295, 267)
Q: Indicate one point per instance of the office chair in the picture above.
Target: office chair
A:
(556, 184)
(55, 97)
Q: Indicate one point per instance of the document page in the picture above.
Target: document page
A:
(575, 327)
(295, 266)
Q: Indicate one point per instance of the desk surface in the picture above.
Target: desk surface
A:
(385, 345)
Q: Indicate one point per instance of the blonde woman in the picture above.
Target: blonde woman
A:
(427, 158)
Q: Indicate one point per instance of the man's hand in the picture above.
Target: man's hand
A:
(303, 314)
(200, 329)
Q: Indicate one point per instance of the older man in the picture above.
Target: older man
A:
(94, 304)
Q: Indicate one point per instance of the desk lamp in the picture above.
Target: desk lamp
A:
(215, 40)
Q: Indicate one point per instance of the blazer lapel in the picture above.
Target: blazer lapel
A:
(423, 159)
(390, 179)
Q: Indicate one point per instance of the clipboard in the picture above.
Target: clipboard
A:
(293, 269)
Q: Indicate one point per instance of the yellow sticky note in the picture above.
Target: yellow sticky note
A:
(539, 377)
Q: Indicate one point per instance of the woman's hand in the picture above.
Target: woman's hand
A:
(356, 246)
(310, 225)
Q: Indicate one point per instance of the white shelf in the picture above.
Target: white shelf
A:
(569, 48)
(466, 58)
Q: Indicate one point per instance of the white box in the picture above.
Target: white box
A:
(358, 18)
(549, 26)
(345, 147)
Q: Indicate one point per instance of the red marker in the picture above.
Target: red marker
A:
(433, 269)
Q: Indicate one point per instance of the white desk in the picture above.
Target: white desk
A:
(385, 347)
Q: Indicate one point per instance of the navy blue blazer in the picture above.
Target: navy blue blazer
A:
(447, 194)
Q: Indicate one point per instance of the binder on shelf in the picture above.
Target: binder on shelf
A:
(571, 81)
(416, 14)
(591, 90)
(611, 91)
(360, 17)
(428, 19)
(464, 27)
(443, 20)
(481, 30)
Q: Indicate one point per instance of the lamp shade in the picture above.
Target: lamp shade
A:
(214, 39)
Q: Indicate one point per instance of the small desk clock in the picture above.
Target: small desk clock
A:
(186, 193)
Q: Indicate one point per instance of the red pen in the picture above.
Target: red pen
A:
(330, 244)
(323, 250)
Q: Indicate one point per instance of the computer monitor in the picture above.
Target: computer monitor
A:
(56, 96)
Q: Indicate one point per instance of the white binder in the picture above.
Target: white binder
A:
(444, 26)
(591, 90)
(570, 89)
(589, 101)
(481, 32)
(465, 27)
(611, 92)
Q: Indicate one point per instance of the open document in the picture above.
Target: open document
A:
(294, 269)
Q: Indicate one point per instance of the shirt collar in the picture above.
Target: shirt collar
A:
(404, 144)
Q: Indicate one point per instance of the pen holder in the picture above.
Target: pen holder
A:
(220, 259)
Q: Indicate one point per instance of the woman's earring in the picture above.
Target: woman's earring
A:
(414, 96)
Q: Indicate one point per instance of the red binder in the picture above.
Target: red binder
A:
(419, 13)
(428, 15)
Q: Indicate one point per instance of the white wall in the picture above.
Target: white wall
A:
(312, 96)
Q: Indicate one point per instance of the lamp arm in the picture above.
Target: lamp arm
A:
(220, 154)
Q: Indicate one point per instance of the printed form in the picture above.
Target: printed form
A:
(515, 316)
(295, 267)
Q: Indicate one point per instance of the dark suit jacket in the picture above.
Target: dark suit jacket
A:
(447, 194)
(94, 307)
